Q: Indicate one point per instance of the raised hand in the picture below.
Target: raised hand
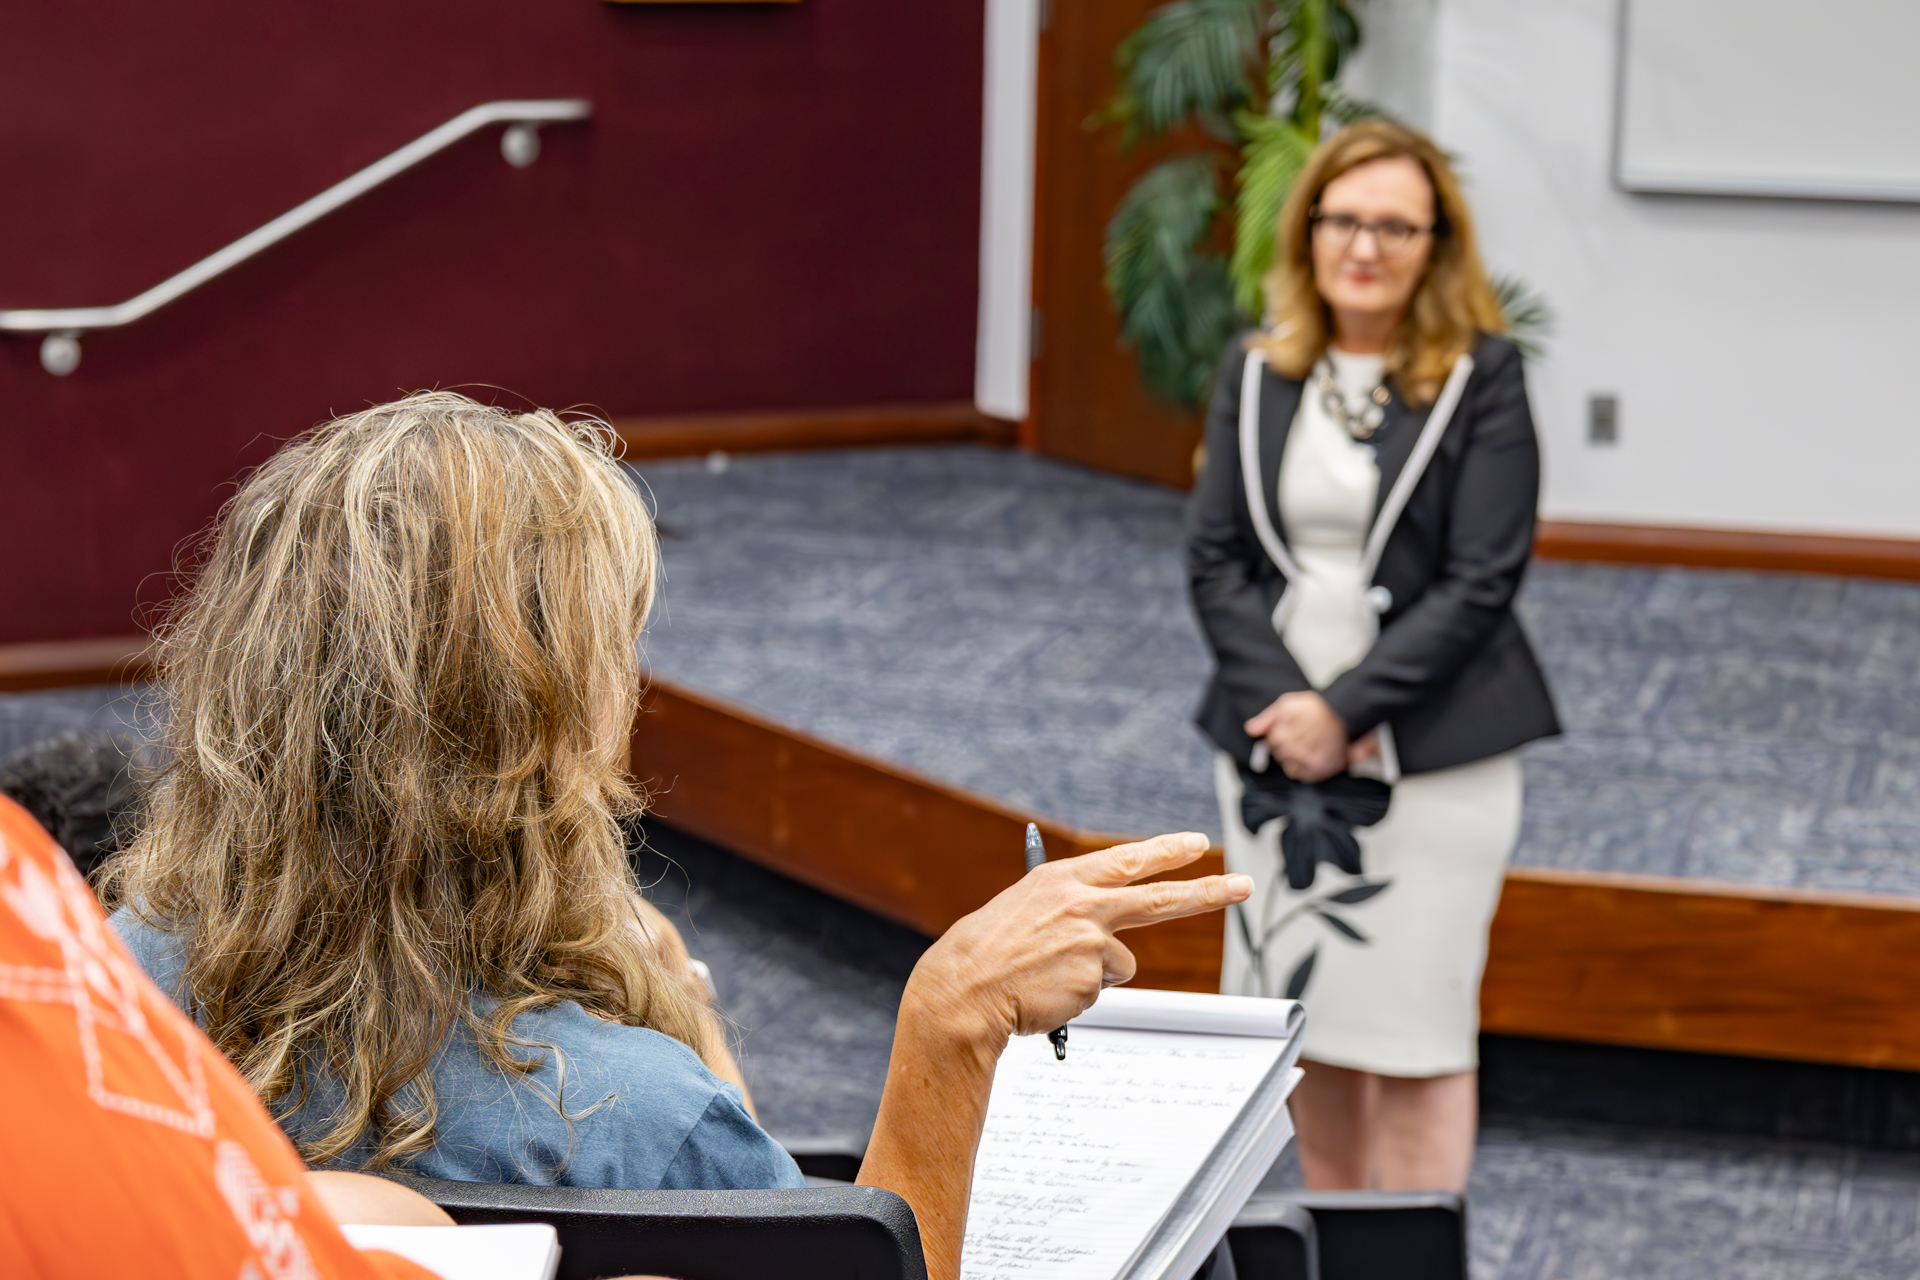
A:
(1030, 960)
(1038, 954)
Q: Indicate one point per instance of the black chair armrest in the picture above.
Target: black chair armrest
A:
(1274, 1240)
(1381, 1235)
(840, 1233)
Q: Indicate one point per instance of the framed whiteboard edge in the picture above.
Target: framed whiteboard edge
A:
(1650, 182)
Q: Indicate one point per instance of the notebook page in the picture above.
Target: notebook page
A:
(507, 1251)
(1082, 1159)
(1225, 1183)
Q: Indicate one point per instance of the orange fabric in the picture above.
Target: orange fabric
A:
(128, 1145)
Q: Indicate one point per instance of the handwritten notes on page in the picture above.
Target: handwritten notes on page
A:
(1082, 1159)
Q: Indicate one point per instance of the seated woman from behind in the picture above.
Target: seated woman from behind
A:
(384, 866)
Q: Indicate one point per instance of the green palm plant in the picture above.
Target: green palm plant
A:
(1529, 318)
(1261, 78)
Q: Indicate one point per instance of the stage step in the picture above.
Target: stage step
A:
(1652, 961)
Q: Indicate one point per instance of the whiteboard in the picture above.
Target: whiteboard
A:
(1796, 98)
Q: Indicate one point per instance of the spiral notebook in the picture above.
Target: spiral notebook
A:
(1129, 1160)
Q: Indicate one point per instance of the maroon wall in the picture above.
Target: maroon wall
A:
(773, 206)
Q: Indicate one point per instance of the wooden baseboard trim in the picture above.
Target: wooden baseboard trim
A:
(698, 434)
(1635, 960)
(59, 664)
(1730, 549)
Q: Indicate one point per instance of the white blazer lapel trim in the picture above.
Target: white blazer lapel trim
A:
(1386, 765)
(1423, 451)
(1256, 488)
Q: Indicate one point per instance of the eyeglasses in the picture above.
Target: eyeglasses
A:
(1394, 237)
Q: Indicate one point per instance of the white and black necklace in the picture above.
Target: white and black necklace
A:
(1361, 422)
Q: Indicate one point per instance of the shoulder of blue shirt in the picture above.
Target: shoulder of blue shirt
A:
(609, 1106)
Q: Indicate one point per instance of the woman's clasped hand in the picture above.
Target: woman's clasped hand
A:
(1308, 739)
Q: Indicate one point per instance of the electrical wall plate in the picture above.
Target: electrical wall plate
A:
(1603, 418)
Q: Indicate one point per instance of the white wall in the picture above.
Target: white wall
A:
(1394, 66)
(1763, 351)
(1001, 354)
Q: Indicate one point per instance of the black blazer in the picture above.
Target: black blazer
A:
(1452, 671)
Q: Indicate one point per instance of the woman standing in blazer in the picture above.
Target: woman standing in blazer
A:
(1360, 526)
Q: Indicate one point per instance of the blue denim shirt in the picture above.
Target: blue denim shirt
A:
(645, 1112)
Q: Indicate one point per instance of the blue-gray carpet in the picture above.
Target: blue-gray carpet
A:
(27, 718)
(1566, 1202)
(1020, 627)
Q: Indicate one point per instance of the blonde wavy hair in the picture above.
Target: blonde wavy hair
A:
(1453, 303)
(398, 693)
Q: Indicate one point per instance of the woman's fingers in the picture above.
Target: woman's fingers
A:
(1263, 723)
(1126, 905)
(1366, 748)
(1125, 863)
(1139, 904)
(1117, 964)
(1039, 953)
(1072, 992)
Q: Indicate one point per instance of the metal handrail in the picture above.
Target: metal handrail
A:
(520, 145)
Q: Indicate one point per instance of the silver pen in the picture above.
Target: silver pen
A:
(1037, 854)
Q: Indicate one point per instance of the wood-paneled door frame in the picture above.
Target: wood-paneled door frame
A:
(1086, 401)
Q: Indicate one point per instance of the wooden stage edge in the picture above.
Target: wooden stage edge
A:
(1634, 960)
(693, 435)
(60, 664)
(1730, 549)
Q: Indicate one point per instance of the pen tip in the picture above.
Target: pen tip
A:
(1036, 851)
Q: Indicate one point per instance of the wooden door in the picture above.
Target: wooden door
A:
(1087, 401)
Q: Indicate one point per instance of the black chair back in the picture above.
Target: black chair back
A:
(867, 1233)
(1379, 1235)
(836, 1233)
